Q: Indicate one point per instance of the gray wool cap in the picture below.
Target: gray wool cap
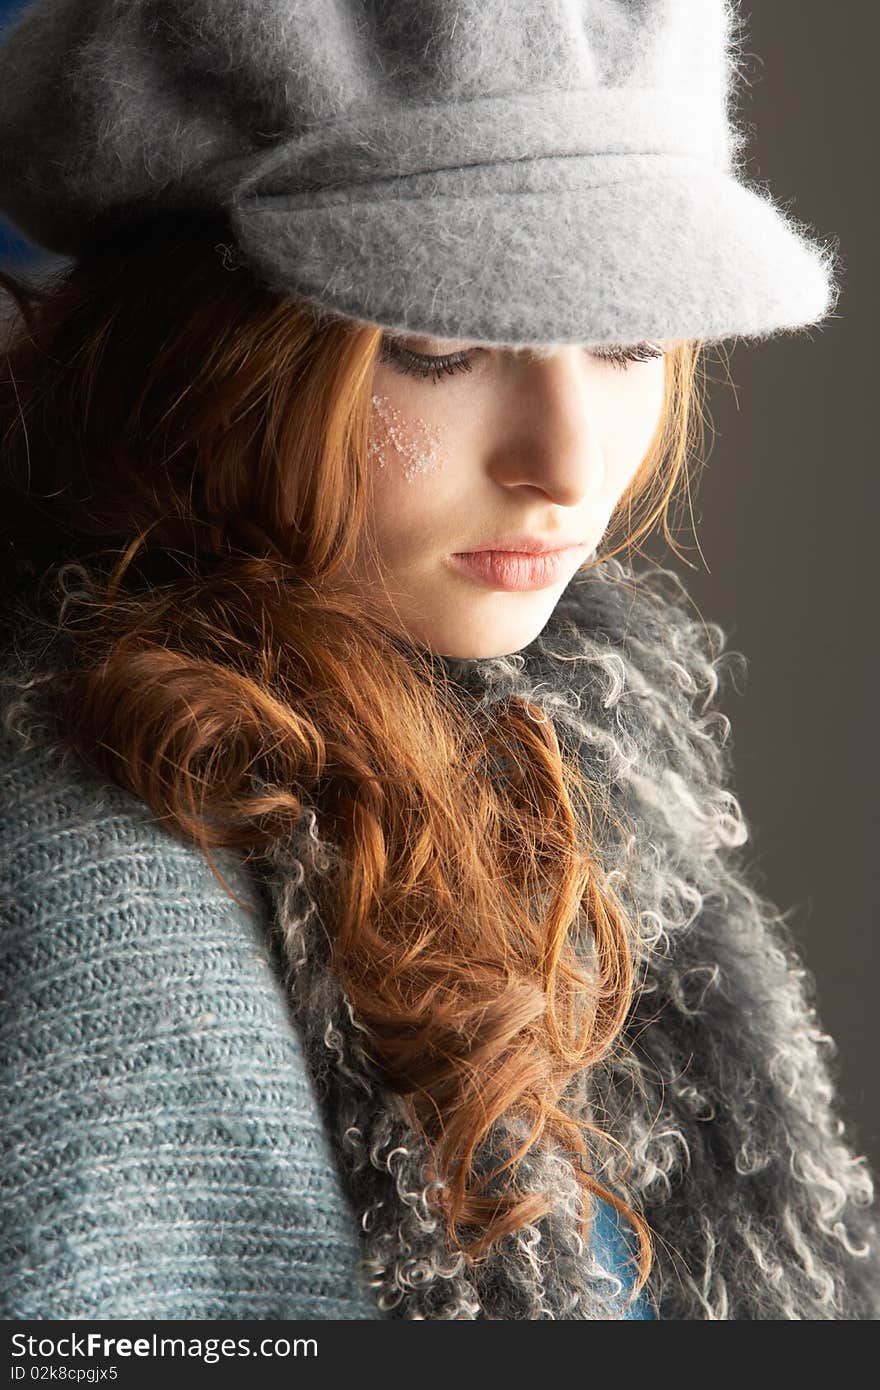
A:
(506, 171)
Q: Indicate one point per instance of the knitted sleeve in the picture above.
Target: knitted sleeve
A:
(162, 1151)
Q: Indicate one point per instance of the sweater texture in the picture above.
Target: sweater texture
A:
(193, 1128)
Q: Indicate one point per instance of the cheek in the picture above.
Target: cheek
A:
(403, 447)
(631, 425)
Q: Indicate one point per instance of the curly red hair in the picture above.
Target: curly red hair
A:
(199, 444)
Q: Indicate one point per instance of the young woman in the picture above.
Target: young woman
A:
(377, 939)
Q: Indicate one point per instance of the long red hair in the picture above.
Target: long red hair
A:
(198, 444)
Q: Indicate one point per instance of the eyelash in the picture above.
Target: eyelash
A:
(421, 365)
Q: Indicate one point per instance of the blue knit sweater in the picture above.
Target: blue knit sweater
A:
(163, 1152)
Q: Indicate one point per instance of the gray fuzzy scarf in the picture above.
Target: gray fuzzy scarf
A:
(719, 1093)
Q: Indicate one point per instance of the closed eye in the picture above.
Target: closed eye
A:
(424, 365)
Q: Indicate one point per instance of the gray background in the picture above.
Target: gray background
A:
(786, 515)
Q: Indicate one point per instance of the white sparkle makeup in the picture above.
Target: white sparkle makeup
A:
(412, 442)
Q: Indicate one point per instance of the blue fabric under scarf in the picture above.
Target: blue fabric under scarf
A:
(618, 1252)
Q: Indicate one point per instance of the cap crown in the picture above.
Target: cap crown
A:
(107, 104)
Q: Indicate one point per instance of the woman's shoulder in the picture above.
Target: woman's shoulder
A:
(71, 838)
(163, 1138)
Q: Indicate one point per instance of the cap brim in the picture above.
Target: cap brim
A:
(615, 249)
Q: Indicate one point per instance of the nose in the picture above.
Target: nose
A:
(549, 437)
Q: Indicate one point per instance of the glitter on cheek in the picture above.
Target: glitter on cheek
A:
(412, 442)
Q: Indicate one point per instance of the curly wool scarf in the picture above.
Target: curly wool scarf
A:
(718, 1100)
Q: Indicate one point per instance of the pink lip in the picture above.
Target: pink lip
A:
(527, 545)
(512, 570)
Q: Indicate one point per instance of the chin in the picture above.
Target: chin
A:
(484, 642)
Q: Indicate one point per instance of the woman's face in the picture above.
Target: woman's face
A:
(498, 446)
